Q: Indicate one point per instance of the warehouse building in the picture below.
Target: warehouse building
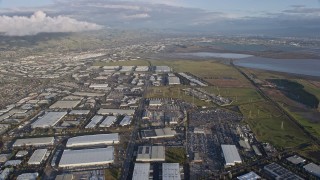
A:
(296, 159)
(162, 69)
(87, 157)
(231, 154)
(79, 112)
(158, 133)
(126, 121)
(142, 68)
(37, 157)
(173, 80)
(28, 176)
(110, 120)
(155, 102)
(171, 171)
(93, 140)
(313, 169)
(50, 119)
(129, 112)
(65, 104)
(249, 176)
(94, 121)
(141, 171)
(151, 153)
(44, 141)
(276, 171)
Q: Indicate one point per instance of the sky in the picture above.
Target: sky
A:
(261, 16)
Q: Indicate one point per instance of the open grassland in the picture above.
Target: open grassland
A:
(212, 72)
(238, 95)
(266, 122)
(176, 155)
(123, 63)
(174, 92)
(312, 152)
(112, 174)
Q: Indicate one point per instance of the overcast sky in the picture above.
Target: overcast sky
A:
(300, 16)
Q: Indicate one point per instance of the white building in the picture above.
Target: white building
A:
(173, 80)
(230, 154)
(126, 121)
(28, 176)
(93, 140)
(313, 169)
(163, 69)
(108, 121)
(141, 171)
(48, 120)
(65, 104)
(44, 141)
(150, 153)
(171, 171)
(129, 112)
(37, 157)
(87, 157)
(94, 121)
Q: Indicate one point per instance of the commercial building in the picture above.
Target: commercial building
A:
(141, 171)
(37, 157)
(171, 171)
(44, 141)
(249, 176)
(231, 154)
(142, 68)
(13, 163)
(173, 80)
(129, 112)
(65, 104)
(28, 176)
(94, 121)
(150, 153)
(313, 169)
(48, 120)
(100, 86)
(296, 159)
(158, 133)
(126, 121)
(79, 112)
(276, 171)
(87, 157)
(93, 140)
(155, 102)
(163, 69)
(108, 121)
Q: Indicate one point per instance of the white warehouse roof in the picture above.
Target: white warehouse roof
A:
(108, 121)
(87, 157)
(230, 154)
(48, 120)
(34, 142)
(151, 153)
(37, 156)
(126, 121)
(141, 171)
(65, 104)
(94, 121)
(171, 171)
(116, 111)
(28, 176)
(92, 140)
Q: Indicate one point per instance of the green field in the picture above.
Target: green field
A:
(266, 122)
(176, 155)
(123, 63)
(112, 174)
(174, 92)
(238, 95)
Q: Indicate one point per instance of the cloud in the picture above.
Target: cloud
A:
(136, 16)
(40, 22)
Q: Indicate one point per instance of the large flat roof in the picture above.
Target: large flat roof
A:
(158, 133)
(151, 153)
(313, 169)
(231, 154)
(141, 171)
(48, 120)
(94, 121)
(126, 121)
(251, 175)
(92, 140)
(108, 121)
(65, 104)
(116, 111)
(37, 156)
(87, 157)
(171, 171)
(34, 142)
(279, 172)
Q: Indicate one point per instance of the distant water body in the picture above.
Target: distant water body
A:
(216, 55)
(310, 67)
